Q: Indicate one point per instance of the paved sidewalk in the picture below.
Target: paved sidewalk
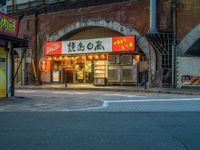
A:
(186, 91)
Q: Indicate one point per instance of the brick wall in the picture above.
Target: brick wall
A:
(132, 14)
(188, 16)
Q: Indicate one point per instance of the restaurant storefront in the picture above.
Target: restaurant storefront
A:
(8, 41)
(103, 61)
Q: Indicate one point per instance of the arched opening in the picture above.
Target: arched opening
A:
(190, 45)
(94, 28)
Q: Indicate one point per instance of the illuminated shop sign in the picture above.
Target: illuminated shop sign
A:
(101, 45)
(8, 25)
(87, 46)
(43, 65)
(124, 43)
(53, 48)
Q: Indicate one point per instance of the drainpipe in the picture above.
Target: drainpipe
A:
(153, 28)
(13, 6)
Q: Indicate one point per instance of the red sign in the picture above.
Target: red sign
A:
(123, 44)
(53, 48)
(8, 25)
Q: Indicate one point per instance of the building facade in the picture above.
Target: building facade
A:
(154, 54)
(8, 41)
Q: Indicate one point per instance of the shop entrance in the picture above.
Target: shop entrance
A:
(83, 70)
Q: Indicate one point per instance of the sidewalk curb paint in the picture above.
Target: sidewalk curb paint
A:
(114, 90)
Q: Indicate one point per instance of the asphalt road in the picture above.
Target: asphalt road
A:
(72, 120)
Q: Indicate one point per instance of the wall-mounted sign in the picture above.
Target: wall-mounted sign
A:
(124, 43)
(8, 25)
(44, 65)
(101, 45)
(2, 73)
(53, 48)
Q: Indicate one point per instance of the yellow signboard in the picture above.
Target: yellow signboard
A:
(2, 72)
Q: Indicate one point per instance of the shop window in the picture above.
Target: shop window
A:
(126, 59)
(113, 59)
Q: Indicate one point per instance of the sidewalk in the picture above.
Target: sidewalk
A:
(186, 91)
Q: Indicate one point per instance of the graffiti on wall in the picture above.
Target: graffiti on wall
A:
(190, 80)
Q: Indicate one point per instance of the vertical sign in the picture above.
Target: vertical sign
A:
(2, 73)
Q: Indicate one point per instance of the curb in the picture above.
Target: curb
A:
(114, 90)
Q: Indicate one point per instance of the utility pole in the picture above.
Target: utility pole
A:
(174, 48)
(12, 73)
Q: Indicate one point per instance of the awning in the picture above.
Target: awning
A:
(16, 42)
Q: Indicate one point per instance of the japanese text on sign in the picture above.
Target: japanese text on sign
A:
(87, 46)
(8, 25)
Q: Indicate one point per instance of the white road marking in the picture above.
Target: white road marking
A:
(65, 92)
(154, 100)
(25, 91)
(81, 93)
(106, 103)
(125, 95)
(53, 92)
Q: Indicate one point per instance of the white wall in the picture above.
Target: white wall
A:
(188, 66)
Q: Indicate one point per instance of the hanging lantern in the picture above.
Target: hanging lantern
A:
(43, 65)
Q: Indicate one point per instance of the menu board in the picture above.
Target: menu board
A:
(56, 76)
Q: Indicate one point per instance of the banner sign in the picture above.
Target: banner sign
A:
(87, 46)
(124, 43)
(8, 25)
(101, 45)
(2, 73)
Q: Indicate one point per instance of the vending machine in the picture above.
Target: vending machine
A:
(100, 72)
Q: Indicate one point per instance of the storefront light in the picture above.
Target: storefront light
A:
(90, 56)
(54, 58)
(137, 58)
(65, 57)
(49, 58)
(60, 58)
(102, 56)
(96, 57)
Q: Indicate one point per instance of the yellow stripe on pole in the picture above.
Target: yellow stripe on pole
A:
(34, 70)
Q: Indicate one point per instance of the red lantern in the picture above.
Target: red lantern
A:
(43, 65)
